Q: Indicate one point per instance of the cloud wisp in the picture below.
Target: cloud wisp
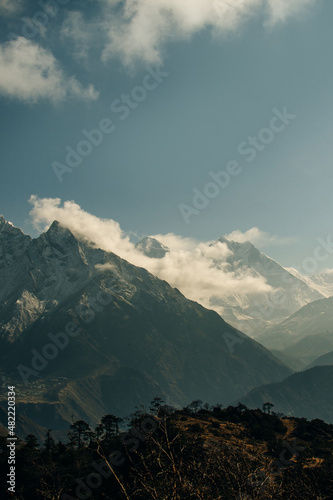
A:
(10, 7)
(260, 238)
(29, 72)
(139, 29)
(200, 270)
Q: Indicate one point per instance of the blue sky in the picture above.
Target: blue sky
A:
(224, 70)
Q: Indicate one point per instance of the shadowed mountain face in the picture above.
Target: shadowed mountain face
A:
(305, 394)
(91, 334)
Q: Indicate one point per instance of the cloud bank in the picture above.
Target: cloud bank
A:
(29, 72)
(139, 29)
(198, 269)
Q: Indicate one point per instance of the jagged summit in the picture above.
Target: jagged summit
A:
(56, 226)
(4, 224)
(246, 253)
(59, 235)
(13, 242)
(250, 313)
(152, 248)
(236, 246)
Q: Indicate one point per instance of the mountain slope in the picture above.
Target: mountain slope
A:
(294, 362)
(324, 360)
(314, 318)
(322, 282)
(305, 353)
(304, 394)
(311, 347)
(114, 325)
(253, 314)
(13, 243)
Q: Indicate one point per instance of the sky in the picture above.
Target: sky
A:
(191, 119)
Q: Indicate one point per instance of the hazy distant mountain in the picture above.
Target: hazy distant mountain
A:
(308, 349)
(306, 352)
(253, 314)
(294, 362)
(314, 318)
(305, 394)
(152, 248)
(128, 336)
(324, 360)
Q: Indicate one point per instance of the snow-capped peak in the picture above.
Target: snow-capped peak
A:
(13, 242)
(152, 248)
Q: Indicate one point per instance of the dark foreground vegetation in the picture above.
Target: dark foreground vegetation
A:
(198, 453)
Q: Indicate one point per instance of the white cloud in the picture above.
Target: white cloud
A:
(10, 7)
(281, 10)
(138, 29)
(29, 72)
(199, 270)
(259, 238)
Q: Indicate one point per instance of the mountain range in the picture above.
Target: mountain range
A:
(303, 394)
(305, 339)
(255, 313)
(84, 333)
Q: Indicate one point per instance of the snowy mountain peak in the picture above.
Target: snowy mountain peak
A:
(57, 227)
(13, 242)
(59, 235)
(288, 293)
(323, 282)
(8, 227)
(237, 246)
(245, 253)
(152, 248)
